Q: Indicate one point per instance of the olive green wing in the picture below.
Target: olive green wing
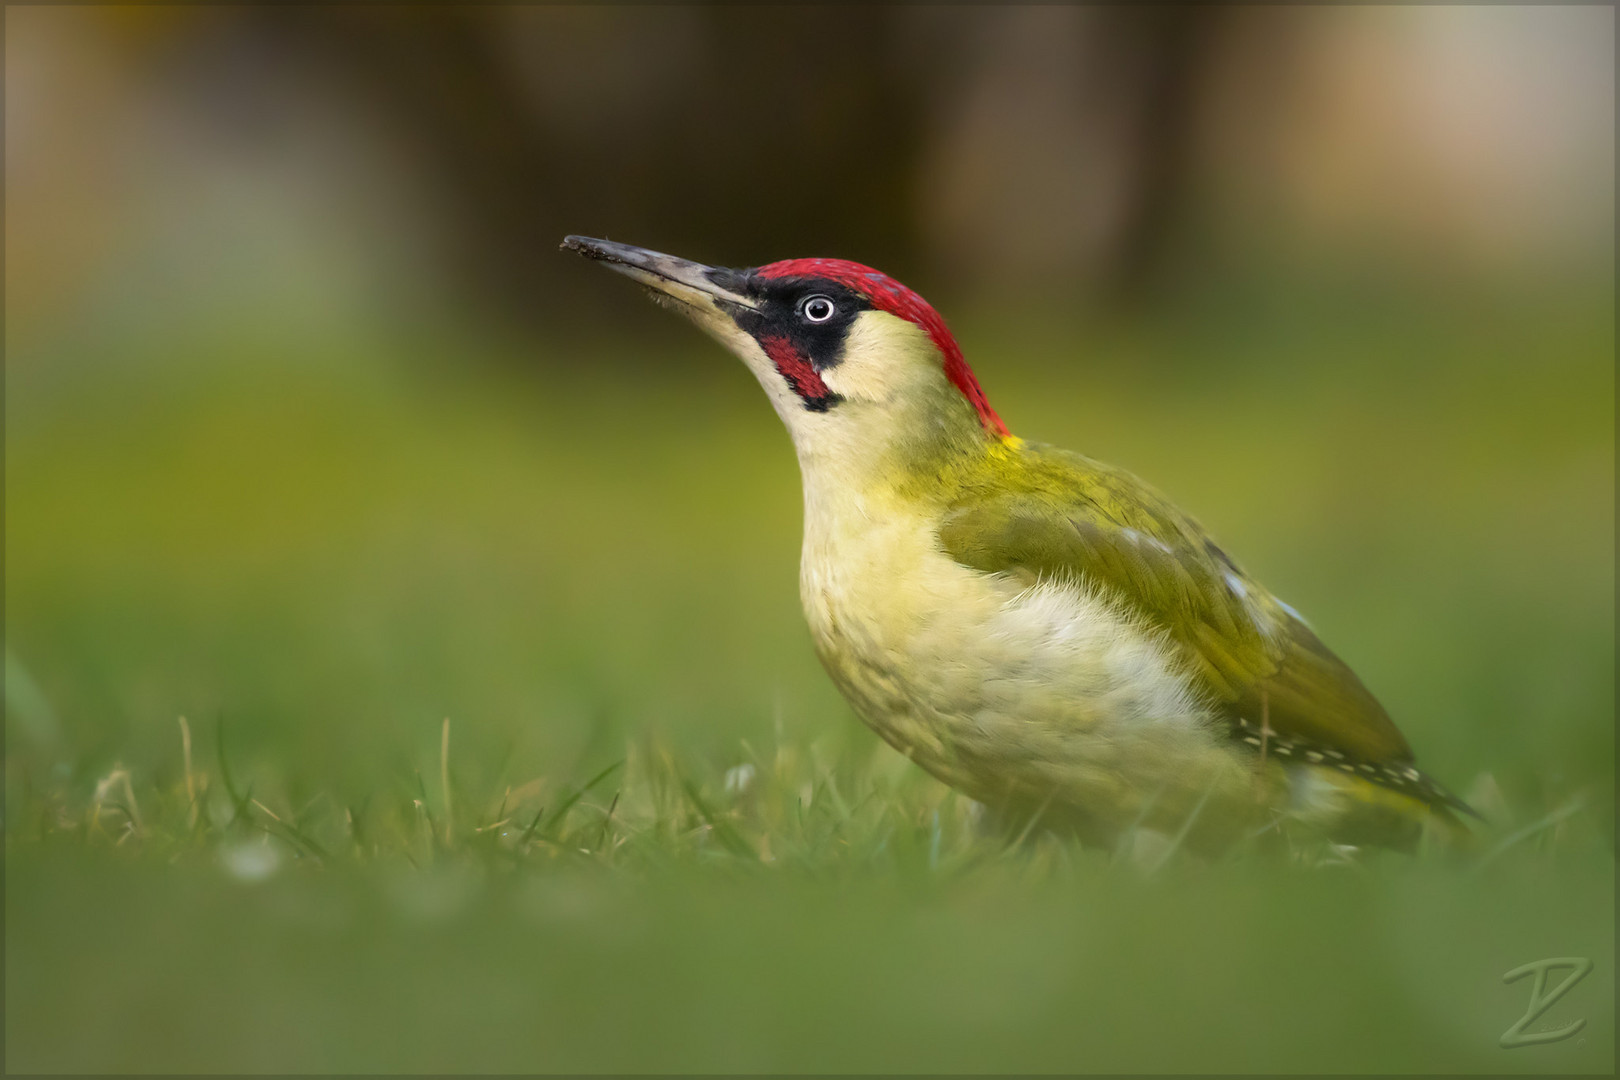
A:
(1078, 520)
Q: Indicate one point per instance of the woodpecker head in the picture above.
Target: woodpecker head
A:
(849, 356)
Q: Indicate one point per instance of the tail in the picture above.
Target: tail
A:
(1446, 828)
(1420, 815)
(1451, 822)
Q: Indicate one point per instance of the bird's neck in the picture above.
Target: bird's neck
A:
(890, 471)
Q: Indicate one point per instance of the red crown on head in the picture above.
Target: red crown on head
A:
(887, 294)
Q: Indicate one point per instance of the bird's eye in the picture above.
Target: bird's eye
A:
(817, 309)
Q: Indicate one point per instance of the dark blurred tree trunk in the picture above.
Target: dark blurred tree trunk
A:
(1166, 54)
(1062, 141)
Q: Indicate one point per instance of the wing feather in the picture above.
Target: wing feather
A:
(1080, 520)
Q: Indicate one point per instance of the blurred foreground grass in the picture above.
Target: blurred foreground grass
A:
(593, 576)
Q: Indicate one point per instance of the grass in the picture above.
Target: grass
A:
(366, 717)
(797, 911)
(795, 808)
(802, 808)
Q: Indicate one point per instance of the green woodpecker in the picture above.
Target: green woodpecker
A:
(1041, 631)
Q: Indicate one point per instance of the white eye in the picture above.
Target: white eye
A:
(818, 309)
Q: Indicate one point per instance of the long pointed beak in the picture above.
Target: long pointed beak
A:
(691, 283)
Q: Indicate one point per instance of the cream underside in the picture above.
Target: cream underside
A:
(1030, 696)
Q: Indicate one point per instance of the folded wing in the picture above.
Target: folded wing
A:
(1255, 660)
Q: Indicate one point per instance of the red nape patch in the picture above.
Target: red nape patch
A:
(887, 294)
(796, 369)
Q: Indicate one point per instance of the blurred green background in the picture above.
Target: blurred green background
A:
(313, 439)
